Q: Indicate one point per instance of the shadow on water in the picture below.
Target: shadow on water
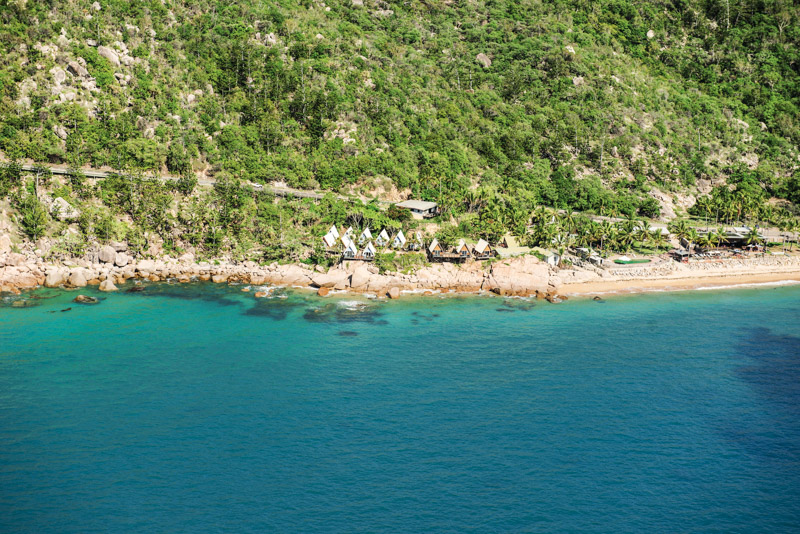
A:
(516, 305)
(274, 308)
(772, 369)
(215, 293)
(418, 316)
(345, 312)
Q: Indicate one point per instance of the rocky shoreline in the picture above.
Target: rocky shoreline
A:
(523, 276)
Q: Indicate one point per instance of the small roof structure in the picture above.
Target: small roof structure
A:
(510, 241)
(383, 238)
(349, 231)
(366, 235)
(399, 239)
(482, 246)
(462, 247)
(349, 247)
(334, 231)
(369, 250)
(329, 240)
(418, 205)
(434, 246)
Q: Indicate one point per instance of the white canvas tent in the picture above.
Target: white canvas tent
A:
(369, 251)
(329, 240)
(350, 250)
(383, 238)
(399, 240)
(365, 236)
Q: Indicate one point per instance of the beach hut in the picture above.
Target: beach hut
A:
(435, 249)
(365, 236)
(350, 250)
(399, 240)
(383, 239)
(462, 249)
(369, 252)
(329, 240)
(349, 232)
(334, 232)
(483, 250)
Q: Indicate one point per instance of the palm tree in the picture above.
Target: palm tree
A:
(606, 231)
(721, 236)
(658, 239)
(680, 229)
(692, 237)
(626, 233)
(706, 240)
(753, 237)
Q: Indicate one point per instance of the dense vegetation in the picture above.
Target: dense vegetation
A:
(490, 107)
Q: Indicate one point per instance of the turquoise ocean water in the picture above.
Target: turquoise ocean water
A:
(199, 409)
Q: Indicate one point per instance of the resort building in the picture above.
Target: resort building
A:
(334, 232)
(365, 236)
(369, 252)
(509, 247)
(350, 251)
(483, 250)
(399, 240)
(383, 238)
(548, 256)
(435, 249)
(416, 243)
(329, 240)
(420, 209)
(462, 249)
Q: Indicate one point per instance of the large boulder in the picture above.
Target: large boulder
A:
(146, 266)
(15, 259)
(293, 275)
(108, 254)
(394, 293)
(107, 285)
(109, 54)
(77, 278)
(330, 279)
(521, 276)
(360, 277)
(5, 244)
(219, 278)
(121, 260)
(63, 210)
(56, 278)
(77, 69)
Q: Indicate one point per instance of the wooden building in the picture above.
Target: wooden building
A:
(483, 250)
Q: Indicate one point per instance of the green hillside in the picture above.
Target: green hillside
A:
(604, 106)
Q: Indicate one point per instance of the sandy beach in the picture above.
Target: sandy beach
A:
(689, 279)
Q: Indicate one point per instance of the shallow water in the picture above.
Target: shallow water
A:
(199, 408)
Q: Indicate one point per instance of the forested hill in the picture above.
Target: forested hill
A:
(592, 104)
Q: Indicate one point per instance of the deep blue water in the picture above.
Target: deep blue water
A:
(198, 408)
